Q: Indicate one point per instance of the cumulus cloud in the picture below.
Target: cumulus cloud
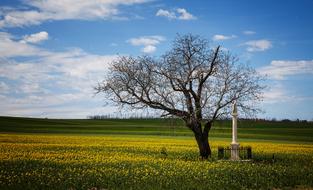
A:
(220, 37)
(148, 49)
(4, 88)
(149, 42)
(11, 47)
(280, 69)
(35, 38)
(37, 12)
(45, 106)
(280, 93)
(44, 81)
(166, 13)
(277, 93)
(258, 45)
(179, 14)
(249, 32)
(184, 15)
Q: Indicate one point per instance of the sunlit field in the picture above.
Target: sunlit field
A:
(111, 161)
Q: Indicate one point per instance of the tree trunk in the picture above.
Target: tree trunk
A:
(202, 138)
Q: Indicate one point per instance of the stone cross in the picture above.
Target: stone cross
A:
(234, 144)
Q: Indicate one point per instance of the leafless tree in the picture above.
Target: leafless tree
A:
(191, 81)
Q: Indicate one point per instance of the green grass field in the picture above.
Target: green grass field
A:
(262, 130)
(149, 154)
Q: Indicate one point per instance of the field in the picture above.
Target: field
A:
(149, 154)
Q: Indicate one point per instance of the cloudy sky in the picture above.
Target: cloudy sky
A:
(52, 52)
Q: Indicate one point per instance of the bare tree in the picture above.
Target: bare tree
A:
(191, 81)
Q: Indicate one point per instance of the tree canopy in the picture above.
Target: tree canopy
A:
(191, 81)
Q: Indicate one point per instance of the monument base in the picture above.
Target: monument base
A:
(234, 151)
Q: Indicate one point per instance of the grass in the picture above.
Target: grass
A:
(86, 154)
(262, 130)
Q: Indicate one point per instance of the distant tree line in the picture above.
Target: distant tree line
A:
(156, 116)
(123, 116)
(277, 120)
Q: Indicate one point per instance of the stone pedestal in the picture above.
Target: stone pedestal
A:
(234, 151)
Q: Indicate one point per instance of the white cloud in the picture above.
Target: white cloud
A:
(276, 93)
(76, 62)
(72, 70)
(279, 69)
(4, 88)
(57, 61)
(146, 40)
(29, 88)
(35, 38)
(47, 80)
(148, 49)
(249, 32)
(166, 13)
(67, 105)
(184, 15)
(258, 45)
(16, 18)
(219, 37)
(179, 14)
(149, 42)
(45, 10)
(10, 47)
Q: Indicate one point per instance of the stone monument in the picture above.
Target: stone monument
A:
(234, 144)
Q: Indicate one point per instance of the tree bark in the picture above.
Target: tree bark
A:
(202, 138)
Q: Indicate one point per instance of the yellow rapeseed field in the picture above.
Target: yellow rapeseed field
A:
(137, 162)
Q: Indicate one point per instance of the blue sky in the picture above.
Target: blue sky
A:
(52, 52)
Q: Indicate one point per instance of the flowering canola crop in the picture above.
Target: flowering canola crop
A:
(137, 162)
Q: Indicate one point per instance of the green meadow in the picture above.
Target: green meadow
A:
(262, 130)
(150, 154)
